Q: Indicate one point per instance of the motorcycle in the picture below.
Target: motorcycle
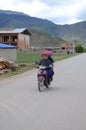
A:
(43, 78)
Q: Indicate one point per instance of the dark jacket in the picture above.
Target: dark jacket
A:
(45, 63)
(51, 59)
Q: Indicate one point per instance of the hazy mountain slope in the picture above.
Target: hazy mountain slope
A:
(43, 39)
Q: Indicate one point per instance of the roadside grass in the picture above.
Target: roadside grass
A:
(27, 61)
(31, 57)
(28, 57)
(58, 57)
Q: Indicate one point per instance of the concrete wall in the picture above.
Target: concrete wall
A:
(24, 41)
(9, 54)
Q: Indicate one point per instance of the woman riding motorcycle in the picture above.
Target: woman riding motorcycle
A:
(46, 62)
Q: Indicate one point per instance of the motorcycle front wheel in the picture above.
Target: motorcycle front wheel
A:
(40, 84)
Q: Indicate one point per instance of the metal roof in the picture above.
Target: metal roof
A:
(5, 46)
(18, 30)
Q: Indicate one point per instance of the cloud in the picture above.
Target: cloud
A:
(58, 2)
(58, 11)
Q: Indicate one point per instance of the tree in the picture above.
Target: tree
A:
(79, 48)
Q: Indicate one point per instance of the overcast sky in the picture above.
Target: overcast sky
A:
(57, 11)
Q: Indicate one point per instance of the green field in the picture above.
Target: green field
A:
(26, 61)
(28, 57)
(31, 57)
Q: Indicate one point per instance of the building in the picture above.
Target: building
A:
(67, 47)
(17, 37)
(8, 52)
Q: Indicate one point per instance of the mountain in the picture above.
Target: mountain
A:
(44, 39)
(40, 29)
(74, 33)
(71, 33)
(14, 19)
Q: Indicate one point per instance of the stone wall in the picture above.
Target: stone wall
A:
(9, 54)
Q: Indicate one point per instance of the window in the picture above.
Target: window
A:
(5, 38)
(14, 38)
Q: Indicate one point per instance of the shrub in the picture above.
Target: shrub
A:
(79, 48)
(84, 49)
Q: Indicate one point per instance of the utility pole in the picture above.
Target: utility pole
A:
(73, 43)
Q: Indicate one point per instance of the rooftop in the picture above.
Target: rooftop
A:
(17, 30)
